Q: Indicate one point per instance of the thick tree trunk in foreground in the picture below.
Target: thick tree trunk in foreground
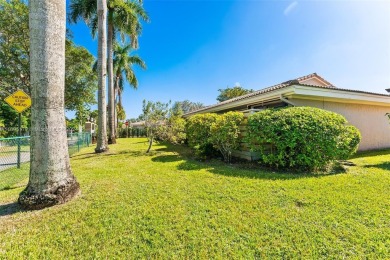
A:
(102, 66)
(111, 96)
(51, 180)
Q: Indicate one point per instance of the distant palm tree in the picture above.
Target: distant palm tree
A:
(123, 17)
(51, 180)
(123, 68)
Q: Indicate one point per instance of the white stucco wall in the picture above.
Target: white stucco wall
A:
(369, 119)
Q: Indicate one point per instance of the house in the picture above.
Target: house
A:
(365, 110)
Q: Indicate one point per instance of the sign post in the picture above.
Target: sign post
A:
(19, 101)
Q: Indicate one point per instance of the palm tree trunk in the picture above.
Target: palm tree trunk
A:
(51, 180)
(102, 66)
(117, 91)
(111, 107)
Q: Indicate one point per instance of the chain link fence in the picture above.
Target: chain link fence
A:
(15, 153)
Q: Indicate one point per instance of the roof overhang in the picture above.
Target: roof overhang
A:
(247, 101)
(304, 92)
(340, 96)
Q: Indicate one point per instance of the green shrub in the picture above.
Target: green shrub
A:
(198, 134)
(225, 133)
(173, 130)
(301, 137)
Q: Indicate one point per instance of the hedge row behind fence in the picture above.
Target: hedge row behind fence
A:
(301, 137)
(130, 132)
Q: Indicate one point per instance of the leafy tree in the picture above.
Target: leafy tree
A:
(14, 47)
(186, 106)
(154, 114)
(80, 83)
(51, 180)
(9, 120)
(232, 92)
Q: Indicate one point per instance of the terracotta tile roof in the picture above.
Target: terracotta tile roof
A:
(283, 85)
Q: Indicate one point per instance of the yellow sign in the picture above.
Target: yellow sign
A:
(19, 101)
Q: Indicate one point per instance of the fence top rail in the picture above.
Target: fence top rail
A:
(16, 137)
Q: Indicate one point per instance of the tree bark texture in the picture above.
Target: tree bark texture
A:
(111, 96)
(101, 142)
(51, 180)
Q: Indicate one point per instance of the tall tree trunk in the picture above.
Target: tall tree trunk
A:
(102, 67)
(111, 96)
(51, 180)
(116, 102)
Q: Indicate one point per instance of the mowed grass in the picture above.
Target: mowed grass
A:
(164, 205)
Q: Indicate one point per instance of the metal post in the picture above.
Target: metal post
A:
(18, 140)
(78, 142)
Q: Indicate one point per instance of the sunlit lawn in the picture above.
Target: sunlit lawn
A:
(165, 205)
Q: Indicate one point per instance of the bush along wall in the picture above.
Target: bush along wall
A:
(303, 138)
(198, 135)
(212, 134)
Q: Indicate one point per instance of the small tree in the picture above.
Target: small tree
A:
(154, 114)
(232, 92)
(225, 133)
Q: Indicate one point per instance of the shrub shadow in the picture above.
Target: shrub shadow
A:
(167, 158)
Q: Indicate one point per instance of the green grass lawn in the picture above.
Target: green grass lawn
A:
(164, 205)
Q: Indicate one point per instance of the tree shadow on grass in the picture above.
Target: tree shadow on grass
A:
(383, 166)
(10, 209)
(167, 158)
(371, 153)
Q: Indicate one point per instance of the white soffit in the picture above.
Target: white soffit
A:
(337, 95)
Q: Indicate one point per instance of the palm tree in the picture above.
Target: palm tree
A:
(101, 142)
(51, 180)
(123, 17)
(123, 68)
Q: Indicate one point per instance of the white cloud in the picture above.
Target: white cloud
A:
(290, 7)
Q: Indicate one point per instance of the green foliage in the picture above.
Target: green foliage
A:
(173, 130)
(121, 113)
(14, 47)
(154, 114)
(186, 106)
(198, 134)
(225, 133)
(301, 137)
(232, 92)
(9, 119)
(80, 82)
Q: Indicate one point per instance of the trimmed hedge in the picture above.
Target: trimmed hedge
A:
(208, 132)
(198, 134)
(225, 133)
(301, 137)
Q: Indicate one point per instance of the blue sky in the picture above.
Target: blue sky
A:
(194, 48)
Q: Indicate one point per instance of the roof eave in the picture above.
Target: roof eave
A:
(340, 95)
(288, 90)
